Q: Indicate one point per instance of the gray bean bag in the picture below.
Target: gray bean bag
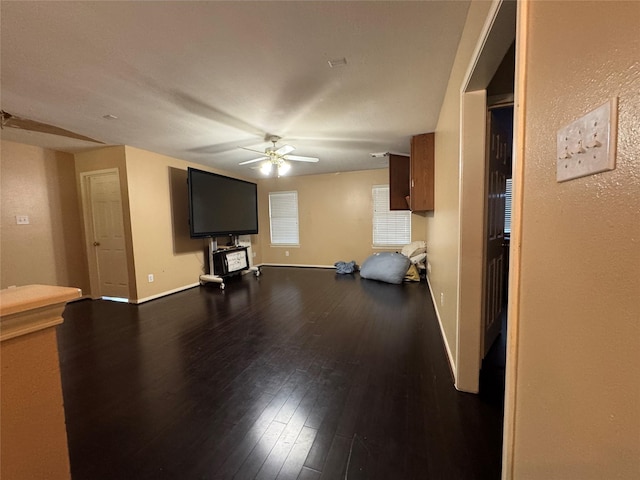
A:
(386, 267)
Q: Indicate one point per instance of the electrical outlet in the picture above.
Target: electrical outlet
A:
(286, 253)
(253, 254)
(429, 267)
(441, 298)
(22, 219)
(588, 145)
(150, 277)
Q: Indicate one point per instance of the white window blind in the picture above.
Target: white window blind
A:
(507, 208)
(389, 227)
(283, 218)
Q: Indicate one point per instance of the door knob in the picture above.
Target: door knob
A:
(96, 244)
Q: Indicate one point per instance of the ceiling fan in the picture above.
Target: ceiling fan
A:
(273, 156)
(12, 121)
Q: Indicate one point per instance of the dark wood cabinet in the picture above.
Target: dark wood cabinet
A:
(411, 179)
(399, 178)
(421, 198)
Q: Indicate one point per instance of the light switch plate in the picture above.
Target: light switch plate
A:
(588, 145)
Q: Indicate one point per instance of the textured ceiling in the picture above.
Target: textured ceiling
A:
(199, 80)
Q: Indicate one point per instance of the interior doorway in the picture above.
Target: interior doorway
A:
(497, 217)
(497, 245)
(495, 41)
(104, 232)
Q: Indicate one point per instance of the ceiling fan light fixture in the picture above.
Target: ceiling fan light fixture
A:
(283, 168)
(276, 156)
(266, 168)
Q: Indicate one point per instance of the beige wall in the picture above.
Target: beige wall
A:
(335, 217)
(442, 228)
(40, 183)
(159, 219)
(103, 159)
(157, 191)
(174, 261)
(155, 212)
(577, 402)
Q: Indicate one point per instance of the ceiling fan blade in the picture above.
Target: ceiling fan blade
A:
(298, 158)
(253, 161)
(261, 152)
(285, 149)
(11, 121)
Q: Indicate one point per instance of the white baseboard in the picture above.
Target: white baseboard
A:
(163, 294)
(294, 265)
(444, 337)
(186, 287)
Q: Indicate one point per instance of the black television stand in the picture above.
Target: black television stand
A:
(226, 262)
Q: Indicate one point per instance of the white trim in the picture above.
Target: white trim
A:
(483, 37)
(452, 364)
(517, 201)
(294, 265)
(284, 245)
(164, 294)
(87, 218)
(471, 213)
(88, 229)
(475, 58)
(492, 36)
(114, 299)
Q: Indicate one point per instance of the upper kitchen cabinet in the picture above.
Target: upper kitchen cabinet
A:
(421, 198)
(399, 180)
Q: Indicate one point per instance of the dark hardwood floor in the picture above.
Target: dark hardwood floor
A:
(299, 373)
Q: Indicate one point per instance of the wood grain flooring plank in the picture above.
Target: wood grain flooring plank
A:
(308, 474)
(294, 462)
(272, 465)
(336, 463)
(326, 432)
(260, 452)
(216, 449)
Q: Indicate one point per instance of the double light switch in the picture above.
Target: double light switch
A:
(587, 145)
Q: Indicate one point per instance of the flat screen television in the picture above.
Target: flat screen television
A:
(221, 206)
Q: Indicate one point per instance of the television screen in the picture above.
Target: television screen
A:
(220, 206)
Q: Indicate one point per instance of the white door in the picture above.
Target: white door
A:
(107, 230)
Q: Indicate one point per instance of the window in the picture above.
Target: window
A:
(283, 218)
(389, 227)
(507, 208)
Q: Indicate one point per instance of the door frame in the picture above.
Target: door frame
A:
(87, 217)
(468, 109)
(495, 39)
